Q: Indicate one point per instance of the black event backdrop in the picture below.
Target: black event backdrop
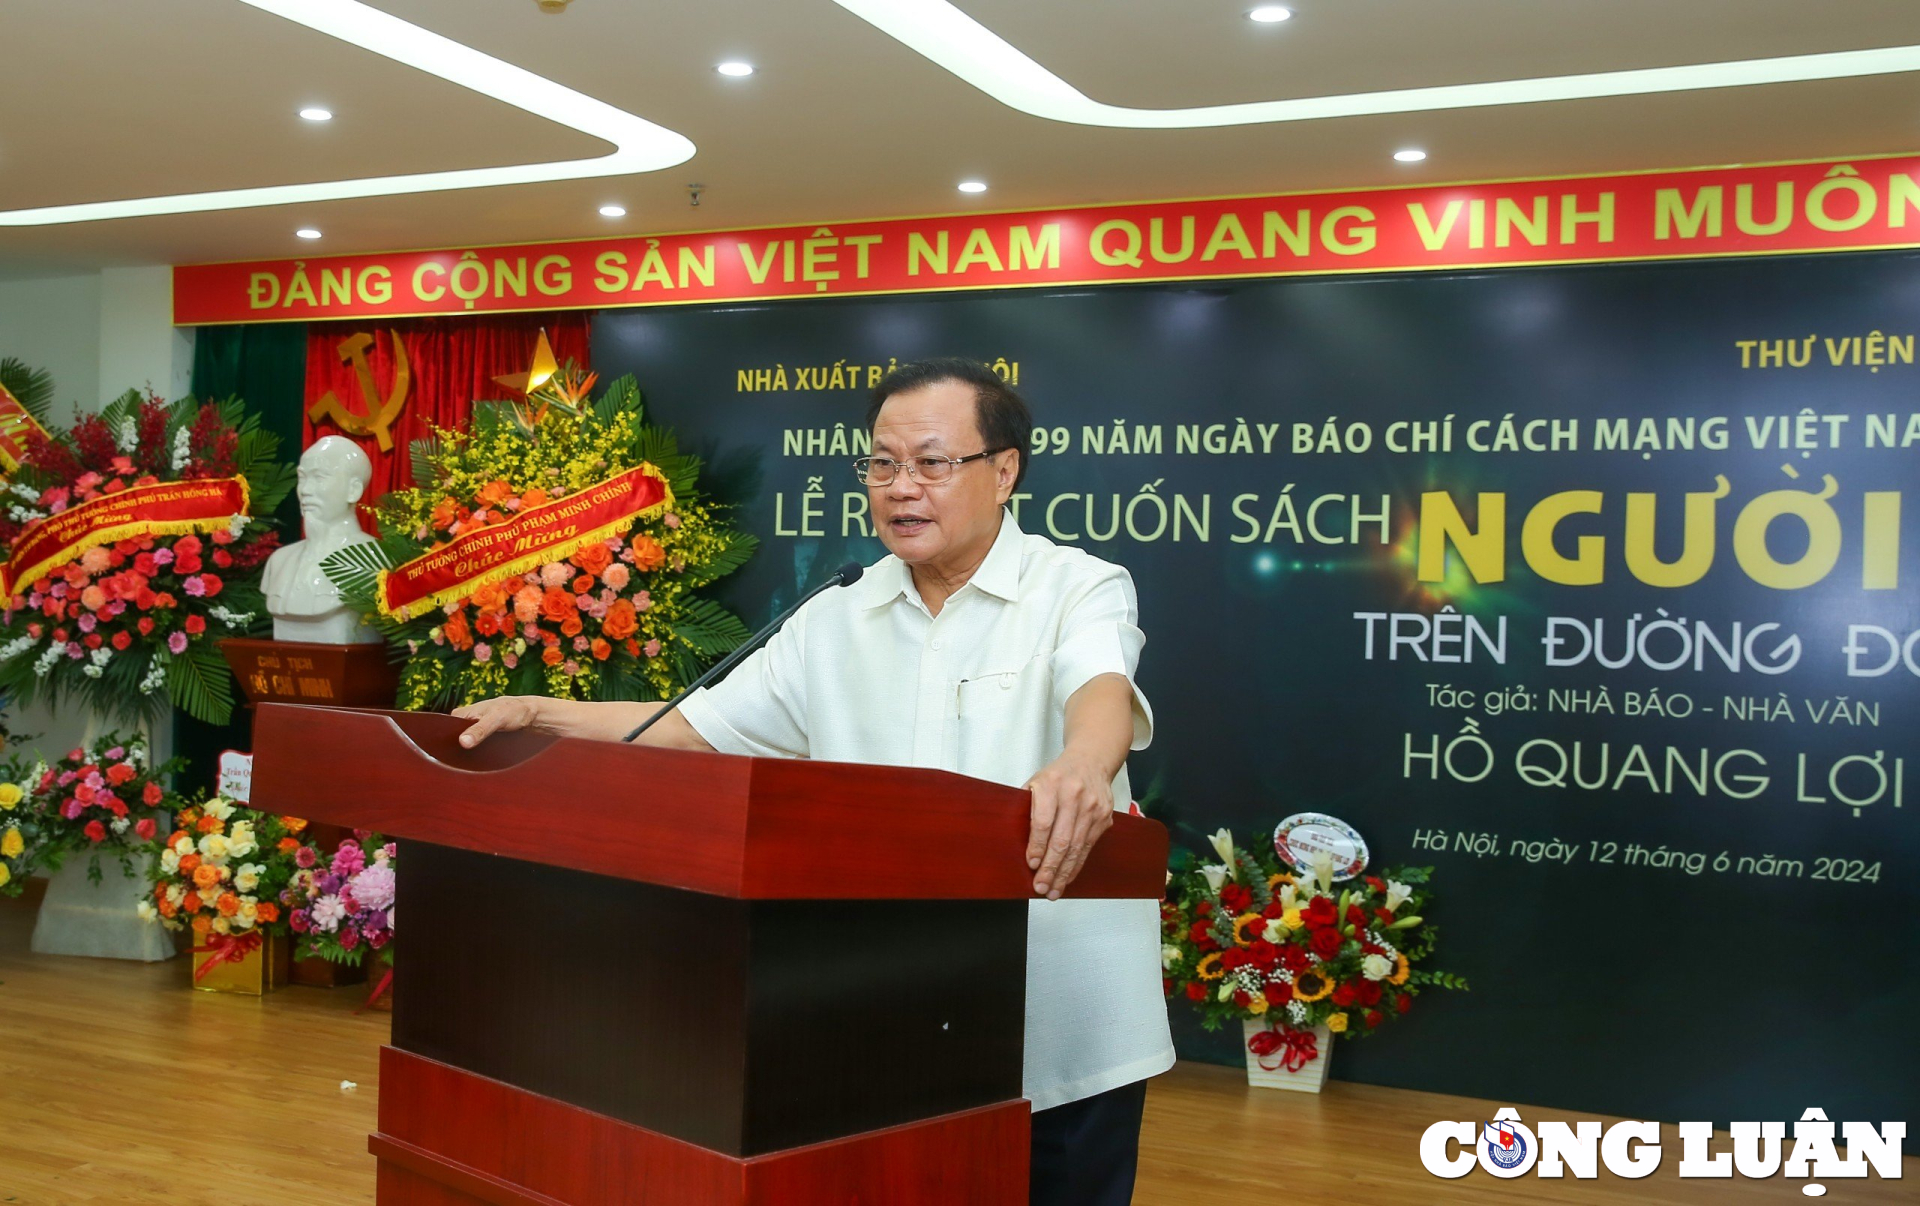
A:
(1636, 945)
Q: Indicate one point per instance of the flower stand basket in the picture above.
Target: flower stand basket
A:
(1280, 1057)
(254, 973)
(315, 972)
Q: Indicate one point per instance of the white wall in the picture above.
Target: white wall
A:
(99, 334)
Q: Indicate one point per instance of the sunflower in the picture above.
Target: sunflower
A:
(1247, 927)
(1274, 881)
(1209, 967)
(1401, 968)
(1311, 986)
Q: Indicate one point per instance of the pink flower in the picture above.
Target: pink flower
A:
(555, 573)
(616, 576)
(580, 644)
(570, 667)
(651, 648)
(482, 651)
(115, 754)
(88, 623)
(304, 857)
(643, 600)
(163, 556)
(96, 559)
(177, 642)
(196, 587)
(526, 604)
(509, 661)
(670, 519)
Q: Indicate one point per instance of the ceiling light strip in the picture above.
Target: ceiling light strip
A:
(953, 40)
(639, 145)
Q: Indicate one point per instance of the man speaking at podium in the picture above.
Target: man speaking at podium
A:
(975, 648)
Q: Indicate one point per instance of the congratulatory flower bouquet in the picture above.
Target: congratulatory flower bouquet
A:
(133, 542)
(104, 798)
(1250, 939)
(557, 548)
(221, 873)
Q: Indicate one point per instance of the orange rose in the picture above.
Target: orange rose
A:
(621, 622)
(167, 910)
(209, 824)
(647, 553)
(552, 656)
(287, 845)
(601, 650)
(494, 596)
(444, 513)
(494, 492)
(582, 584)
(206, 875)
(202, 924)
(456, 631)
(188, 862)
(179, 836)
(557, 604)
(533, 498)
(571, 626)
(228, 904)
(292, 824)
(593, 558)
(266, 912)
(190, 903)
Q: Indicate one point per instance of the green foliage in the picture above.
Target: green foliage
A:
(31, 387)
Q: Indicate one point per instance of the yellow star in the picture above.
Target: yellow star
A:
(538, 374)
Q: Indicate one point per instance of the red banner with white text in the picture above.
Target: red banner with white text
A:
(1760, 210)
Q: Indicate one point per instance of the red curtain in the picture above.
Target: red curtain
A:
(452, 361)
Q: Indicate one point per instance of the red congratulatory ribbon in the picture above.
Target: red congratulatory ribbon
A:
(162, 509)
(532, 538)
(1296, 1048)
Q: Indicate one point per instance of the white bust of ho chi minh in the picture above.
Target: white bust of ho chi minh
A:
(304, 603)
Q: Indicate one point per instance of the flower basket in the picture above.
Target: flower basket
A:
(251, 964)
(1281, 1057)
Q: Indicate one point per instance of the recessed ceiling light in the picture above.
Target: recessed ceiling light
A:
(1268, 14)
(613, 211)
(951, 39)
(1410, 155)
(315, 113)
(973, 186)
(735, 67)
(307, 232)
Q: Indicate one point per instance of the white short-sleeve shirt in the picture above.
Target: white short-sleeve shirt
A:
(868, 674)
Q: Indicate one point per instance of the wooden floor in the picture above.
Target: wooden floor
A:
(108, 1070)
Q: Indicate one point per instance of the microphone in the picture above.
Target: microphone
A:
(846, 575)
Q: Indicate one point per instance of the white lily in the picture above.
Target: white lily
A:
(1222, 840)
(1216, 876)
(1397, 894)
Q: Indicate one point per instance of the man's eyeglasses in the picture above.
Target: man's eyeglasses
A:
(927, 470)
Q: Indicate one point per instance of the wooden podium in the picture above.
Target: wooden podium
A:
(737, 980)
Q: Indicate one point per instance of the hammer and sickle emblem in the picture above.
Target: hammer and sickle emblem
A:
(379, 417)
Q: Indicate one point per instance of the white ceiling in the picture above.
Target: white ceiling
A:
(106, 99)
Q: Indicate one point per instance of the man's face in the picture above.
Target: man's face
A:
(953, 520)
(323, 491)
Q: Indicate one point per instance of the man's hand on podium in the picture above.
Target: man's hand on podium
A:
(575, 718)
(1073, 794)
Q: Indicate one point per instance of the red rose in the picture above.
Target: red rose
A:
(1294, 958)
(186, 564)
(1403, 1003)
(1343, 994)
(1356, 917)
(1279, 993)
(1326, 942)
(1198, 931)
(195, 625)
(1274, 911)
(151, 794)
(1374, 882)
(1236, 898)
(222, 558)
(1203, 908)
(1384, 917)
(96, 831)
(1373, 1018)
(1233, 959)
(1368, 991)
(1241, 999)
(145, 828)
(211, 584)
(1320, 912)
(145, 625)
(93, 640)
(122, 639)
(1196, 991)
(145, 565)
(1264, 954)
(119, 773)
(144, 598)
(187, 546)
